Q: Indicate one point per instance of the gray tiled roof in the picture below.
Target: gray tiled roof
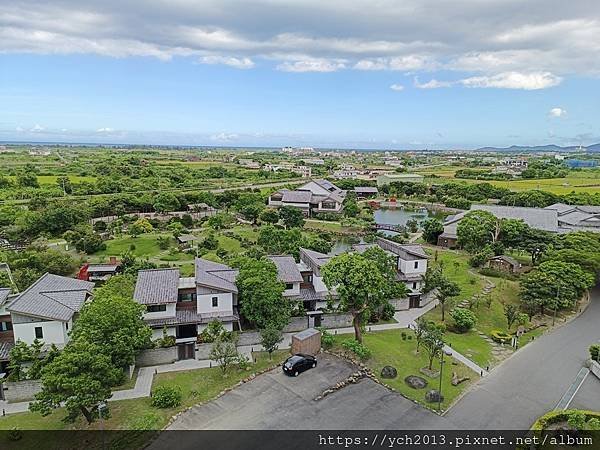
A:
(156, 286)
(367, 189)
(287, 271)
(4, 292)
(405, 251)
(5, 350)
(108, 268)
(215, 275)
(538, 218)
(183, 238)
(297, 197)
(52, 297)
(509, 259)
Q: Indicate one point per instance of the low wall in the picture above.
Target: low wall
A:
(249, 338)
(296, 324)
(595, 368)
(203, 351)
(400, 304)
(428, 297)
(156, 356)
(340, 320)
(21, 391)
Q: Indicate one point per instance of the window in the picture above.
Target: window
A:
(289, 286)
(6, 326)
(39, 334)
(67, 325)
(156, 308)
(328, 205)
(187, 297)
(416, 264)
(215, 302)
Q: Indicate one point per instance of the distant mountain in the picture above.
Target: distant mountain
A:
(539, 148)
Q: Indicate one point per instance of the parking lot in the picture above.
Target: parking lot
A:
(276, 401)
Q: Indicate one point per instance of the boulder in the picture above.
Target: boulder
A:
(434, 396)
(389, 372)
(415, 382)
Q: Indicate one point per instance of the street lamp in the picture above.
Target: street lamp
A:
(441, 376)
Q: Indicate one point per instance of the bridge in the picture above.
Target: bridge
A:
(388, 227)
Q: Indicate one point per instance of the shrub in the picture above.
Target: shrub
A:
(357, 348)
(166, 397)
(327, 339)
(243, 362)
(166, 340)
(595, 352)
(403, 335)
(577, 420)
(464, 319)
(501, 337)
(388, 311)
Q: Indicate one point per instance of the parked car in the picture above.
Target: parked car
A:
(297, 364)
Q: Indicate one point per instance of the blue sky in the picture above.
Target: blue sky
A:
(88, 72)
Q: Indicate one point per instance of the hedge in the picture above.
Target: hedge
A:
(560, 416)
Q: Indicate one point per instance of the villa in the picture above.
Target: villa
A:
(316, 196)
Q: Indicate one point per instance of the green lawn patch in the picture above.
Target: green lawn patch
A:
(146, 245)
(388, 348)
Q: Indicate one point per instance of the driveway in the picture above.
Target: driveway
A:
(276, 401)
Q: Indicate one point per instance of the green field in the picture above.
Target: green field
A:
(51, 179)
(146, 246)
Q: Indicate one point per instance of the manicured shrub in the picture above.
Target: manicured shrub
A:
(327, 339)
(357, 348)
(166, 397)
(464, 319)
(595, 352)
(501, 337)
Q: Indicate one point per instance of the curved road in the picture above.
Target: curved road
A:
(533, 380)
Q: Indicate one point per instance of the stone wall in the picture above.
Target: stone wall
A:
(400, 304)
(340, 320)
(21, 391)
(428, 297)
(296, 324)
(156, 356)
(249, 338)
(203, 351)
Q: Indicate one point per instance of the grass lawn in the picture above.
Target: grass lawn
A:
(146, 245)
(197, 386)
(388, 348)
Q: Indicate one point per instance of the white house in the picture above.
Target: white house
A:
(47, 309)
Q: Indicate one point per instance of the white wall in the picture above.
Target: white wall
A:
(225, 303)
(170, 312)
(54, 332)
(408, 267)
(227, 325)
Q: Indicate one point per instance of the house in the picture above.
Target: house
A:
(537, 218)
(313, 291)
(99, 272)
(577, 217)
(385, 179)
(6, 328)
(316, 196)
(504, 263)
(47, 309)
(184, 306)
(289, 274)
(365, 192)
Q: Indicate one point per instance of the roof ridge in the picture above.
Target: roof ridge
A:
(58, 301)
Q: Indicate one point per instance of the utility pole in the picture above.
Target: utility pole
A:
(441, 376)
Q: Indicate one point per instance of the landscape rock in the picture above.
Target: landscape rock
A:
(415, 382)
(389, 372)
(434, 396)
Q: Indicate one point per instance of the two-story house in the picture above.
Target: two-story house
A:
(316, 196)
(47, 309)
(184, 306)
(6, 329)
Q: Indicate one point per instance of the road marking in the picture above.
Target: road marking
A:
(568, 396)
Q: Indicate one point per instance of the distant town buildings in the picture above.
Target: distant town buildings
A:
(249, 163)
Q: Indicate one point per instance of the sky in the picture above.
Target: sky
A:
(376, 74)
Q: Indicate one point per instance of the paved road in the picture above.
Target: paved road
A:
(533, 380)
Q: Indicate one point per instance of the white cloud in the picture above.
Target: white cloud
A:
(238, 63)
(432, 84)
(396, 87)
(37, 128)
(514, 80)
(402, 63)
(557, 112)
(19, 129)
(312, 65)
(224, 137)
(105, 130)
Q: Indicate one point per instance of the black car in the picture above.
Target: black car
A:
(297, 364)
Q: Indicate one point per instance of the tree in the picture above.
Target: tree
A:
(511, 312)
(27, 179)
(176, 228)
(114, 322)
(351, 208)
(477, 229)
(165, 202)
(446, 290)
(291, 217)
(271, 337)
(64, 183)
(386, 264)
(464, 319)
(359, 284)
(140, 226)
(252, 211)
(433, 343)
(260, 293)
(81, 377)
(224, 352)
(269, 216)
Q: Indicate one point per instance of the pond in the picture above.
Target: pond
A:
(399, 216)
